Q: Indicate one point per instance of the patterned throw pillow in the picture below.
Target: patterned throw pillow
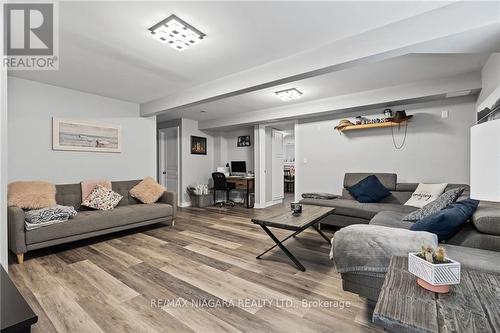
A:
(443, 201)
(102, 198)
(148, 191)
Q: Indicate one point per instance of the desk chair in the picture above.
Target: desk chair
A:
(220, 184)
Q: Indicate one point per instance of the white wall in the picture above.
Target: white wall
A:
(490, 78)
(229, 151)
(3, 158)
(31, 108)
(436, 149)
(289, 147)
(196, 169)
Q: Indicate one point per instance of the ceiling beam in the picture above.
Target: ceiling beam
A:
(383, 96)
(386, 42)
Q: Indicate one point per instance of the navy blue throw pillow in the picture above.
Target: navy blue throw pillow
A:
(448, 221)
(369, 189)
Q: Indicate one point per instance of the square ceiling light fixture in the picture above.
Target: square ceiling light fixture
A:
(288, 94)
(177, 33)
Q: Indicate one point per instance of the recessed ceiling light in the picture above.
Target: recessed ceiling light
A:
(289, 94)
(176, 33)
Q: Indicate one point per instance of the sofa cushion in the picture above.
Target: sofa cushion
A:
(70, 195)
(369, 189)
(357, 209)
(487, 220)
(387, 179)
(444, 200)
(88, 221)
(425, 194)
(469, 236)
(449, 221)
(123, 187)
(395, 197)
(477, 259)
(391, 219)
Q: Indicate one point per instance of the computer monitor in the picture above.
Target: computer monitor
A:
(238, 167)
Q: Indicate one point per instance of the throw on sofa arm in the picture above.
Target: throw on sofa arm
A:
(171, 199)
(15, 225)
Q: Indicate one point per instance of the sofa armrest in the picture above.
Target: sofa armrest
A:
(171, 199)
(16, 231)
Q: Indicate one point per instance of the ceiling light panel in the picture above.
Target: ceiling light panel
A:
(289, 94)
(177, 33)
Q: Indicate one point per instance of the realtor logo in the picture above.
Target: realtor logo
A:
(30, 39)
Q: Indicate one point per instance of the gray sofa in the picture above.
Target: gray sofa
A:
(129, 213)
(476, 246)
(349, 211)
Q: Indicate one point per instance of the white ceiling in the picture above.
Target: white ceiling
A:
(105, 48)
(392, 72)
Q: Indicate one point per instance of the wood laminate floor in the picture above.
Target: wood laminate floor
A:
(200, 275)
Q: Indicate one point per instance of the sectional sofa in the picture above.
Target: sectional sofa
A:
(476, 246)
(130, 213)
(349, 211)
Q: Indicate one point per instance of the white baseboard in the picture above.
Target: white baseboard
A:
(259, 206)
(274, 202)
(185, 204)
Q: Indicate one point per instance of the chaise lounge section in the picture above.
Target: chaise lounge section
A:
(130, 213)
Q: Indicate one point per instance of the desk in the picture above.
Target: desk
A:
(243, 183)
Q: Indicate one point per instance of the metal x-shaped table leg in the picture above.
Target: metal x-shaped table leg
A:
(282, 247)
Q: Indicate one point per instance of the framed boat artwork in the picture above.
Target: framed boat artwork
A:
(79, 135)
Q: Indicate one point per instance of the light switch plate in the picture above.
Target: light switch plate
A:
(444, 114)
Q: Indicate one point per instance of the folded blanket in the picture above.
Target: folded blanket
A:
(319, 195)
(38, 218)
(369, 248)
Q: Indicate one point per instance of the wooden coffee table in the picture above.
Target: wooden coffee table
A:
(310, 217)
(471, 306)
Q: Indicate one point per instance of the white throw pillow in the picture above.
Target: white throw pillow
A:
(425, 193)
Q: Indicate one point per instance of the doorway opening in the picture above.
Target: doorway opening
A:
(279, 171)
(169, 159)
(289, 164)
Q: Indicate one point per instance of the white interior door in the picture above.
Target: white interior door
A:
(169, 158)
(277, 149)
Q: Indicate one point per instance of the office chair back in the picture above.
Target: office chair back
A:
(220, 181)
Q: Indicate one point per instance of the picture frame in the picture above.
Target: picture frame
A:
(78, 135)
(198, 145)
(244, 141)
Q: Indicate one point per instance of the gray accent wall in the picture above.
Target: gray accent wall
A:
(436, 149)
(32, 105)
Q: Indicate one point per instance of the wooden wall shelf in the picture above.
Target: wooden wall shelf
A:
(369, 126)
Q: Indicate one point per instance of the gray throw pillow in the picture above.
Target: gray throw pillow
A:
(435, 206)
